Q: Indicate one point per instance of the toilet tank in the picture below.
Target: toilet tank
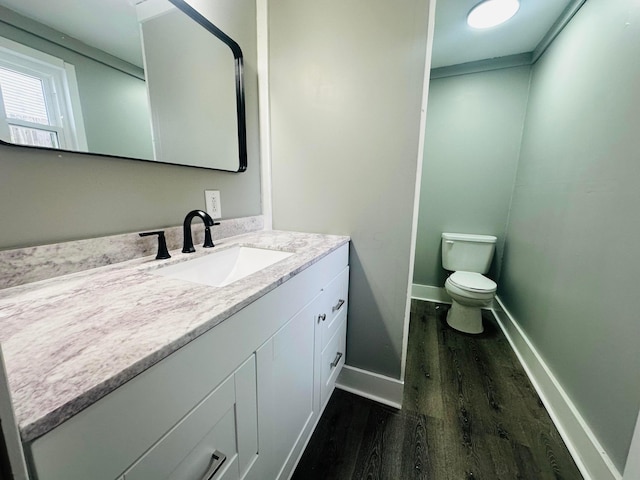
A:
(467, 252)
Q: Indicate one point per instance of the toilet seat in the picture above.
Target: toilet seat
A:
(473, 282)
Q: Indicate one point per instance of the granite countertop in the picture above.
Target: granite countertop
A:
(71, 340)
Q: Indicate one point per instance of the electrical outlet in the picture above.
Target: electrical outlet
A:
(212, 203)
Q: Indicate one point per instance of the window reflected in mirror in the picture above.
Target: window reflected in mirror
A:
(137, 79)
(39, 103)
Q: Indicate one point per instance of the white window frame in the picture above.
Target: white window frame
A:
(61, 93)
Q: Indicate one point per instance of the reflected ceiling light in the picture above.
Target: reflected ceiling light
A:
(492, 12)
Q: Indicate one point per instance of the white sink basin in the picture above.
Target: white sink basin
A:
(223, 267)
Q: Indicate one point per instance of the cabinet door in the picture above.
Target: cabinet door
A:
(287, 405)
(217, 440)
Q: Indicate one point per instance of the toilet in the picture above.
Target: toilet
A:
(468, 256)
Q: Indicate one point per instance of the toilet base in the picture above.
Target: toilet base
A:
(465, 319)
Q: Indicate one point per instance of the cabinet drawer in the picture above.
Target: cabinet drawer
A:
(194, 446)
(335, 301)
(333, 357)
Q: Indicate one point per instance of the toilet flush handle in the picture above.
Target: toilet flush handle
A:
(449, 242)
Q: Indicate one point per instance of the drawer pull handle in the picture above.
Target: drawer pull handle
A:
(336, 361)
(338, 306)
(217, 459)
(322, 318)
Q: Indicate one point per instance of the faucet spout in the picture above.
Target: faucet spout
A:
(187, 246)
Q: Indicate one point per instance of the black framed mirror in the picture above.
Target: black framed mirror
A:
(188, 75)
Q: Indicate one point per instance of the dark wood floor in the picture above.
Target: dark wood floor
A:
(469, 412)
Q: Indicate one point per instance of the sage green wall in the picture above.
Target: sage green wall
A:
(571, 263)
(114, 104)
(346, 88)
(472, 141)
(48, 197)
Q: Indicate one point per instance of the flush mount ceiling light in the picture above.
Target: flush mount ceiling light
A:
(492, 12)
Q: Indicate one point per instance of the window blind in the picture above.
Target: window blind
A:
(23, 97)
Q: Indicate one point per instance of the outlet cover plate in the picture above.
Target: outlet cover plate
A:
(212, 203)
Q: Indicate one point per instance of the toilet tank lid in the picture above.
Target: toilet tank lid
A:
(469, 237)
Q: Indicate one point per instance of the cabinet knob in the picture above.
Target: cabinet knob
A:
(217, 459)
(338, 305)
(336, 360)
(322, 317)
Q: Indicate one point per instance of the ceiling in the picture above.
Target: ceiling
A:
(111, 26)
(454, 42)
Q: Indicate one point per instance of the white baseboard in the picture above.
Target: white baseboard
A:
(429, 293)
(590, 457)
(371, 385)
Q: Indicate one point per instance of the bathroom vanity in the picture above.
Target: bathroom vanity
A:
(120, 373)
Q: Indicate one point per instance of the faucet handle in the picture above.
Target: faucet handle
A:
(208, 242)
(162, 244)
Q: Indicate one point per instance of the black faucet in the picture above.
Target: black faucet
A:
(162, 244)
(187, 246)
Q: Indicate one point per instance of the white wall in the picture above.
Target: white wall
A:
(571, 265)
(472, 142)
(346, 88)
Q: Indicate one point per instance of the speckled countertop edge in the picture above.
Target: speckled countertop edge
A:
(71, 340)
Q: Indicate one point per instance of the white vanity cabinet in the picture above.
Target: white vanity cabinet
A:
(250, 390)
(287, 405)
(297, 369)
(333, 334)
(219, 436)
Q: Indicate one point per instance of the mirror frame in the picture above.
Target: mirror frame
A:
(239, 66)
(240, 101)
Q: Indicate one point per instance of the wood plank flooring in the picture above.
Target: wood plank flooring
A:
(469, 413)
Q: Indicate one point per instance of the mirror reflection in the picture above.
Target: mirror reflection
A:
(128, 78)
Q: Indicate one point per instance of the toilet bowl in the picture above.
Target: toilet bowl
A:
(468, 256)
(469, 292)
